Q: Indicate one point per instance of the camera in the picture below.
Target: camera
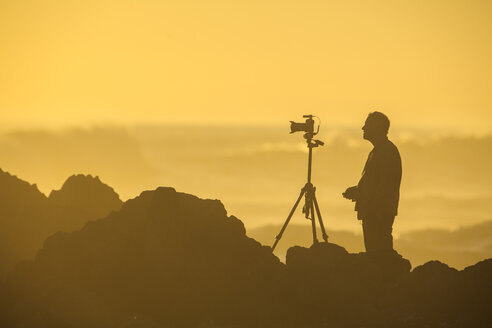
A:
(307, 126)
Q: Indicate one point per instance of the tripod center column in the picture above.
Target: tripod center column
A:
(310, 160)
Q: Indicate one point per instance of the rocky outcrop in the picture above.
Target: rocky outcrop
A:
(24, 212)
(82, 198)
(436, 295)
(28, 217)
(335, 288)
(168, 257)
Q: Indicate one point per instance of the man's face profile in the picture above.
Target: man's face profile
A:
(368, 128)
(372, 129)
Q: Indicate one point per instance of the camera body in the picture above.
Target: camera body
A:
(307, 127)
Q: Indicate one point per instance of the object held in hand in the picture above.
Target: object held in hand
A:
(350, 193)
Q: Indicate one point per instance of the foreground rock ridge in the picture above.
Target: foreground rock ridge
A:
(166, 257)
(170, 259)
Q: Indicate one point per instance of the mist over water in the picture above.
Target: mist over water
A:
(258, 171)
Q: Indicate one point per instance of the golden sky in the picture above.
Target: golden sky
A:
(424, 63)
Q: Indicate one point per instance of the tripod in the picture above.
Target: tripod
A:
(310, 202)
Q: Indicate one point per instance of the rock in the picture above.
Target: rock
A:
(334, 287)
(24, 214)
(80, 199)
(28, 217)
(169, 259)
(477, 282)
(430, 295)
(168, 256)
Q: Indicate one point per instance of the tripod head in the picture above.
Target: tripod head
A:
(312, 143)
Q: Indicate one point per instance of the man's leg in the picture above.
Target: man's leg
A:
(378, 233)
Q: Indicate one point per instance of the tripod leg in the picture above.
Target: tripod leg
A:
(325, 236)
(313, 222)
(277, 238)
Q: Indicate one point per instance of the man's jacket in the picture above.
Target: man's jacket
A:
(378, 191)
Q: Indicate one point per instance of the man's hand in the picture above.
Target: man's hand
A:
(350, 193)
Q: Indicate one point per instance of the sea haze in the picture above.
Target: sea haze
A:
(258, 171)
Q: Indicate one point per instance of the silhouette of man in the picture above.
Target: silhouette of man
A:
(377, 194)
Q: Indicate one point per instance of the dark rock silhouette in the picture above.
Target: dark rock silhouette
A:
(436, 295)
(168, 256)
(28, 217)
(302, 235)
(169, 259)
(431, 291)
(23, 215)
(337, 288)
(478, 292)
(80, 199)
(458, 248)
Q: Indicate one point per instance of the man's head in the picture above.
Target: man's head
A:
(376, 126)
